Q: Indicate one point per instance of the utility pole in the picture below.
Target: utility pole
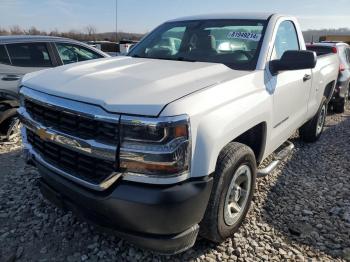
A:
(116, 20)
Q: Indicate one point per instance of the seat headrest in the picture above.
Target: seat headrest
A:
(36, 55)
(205, 41)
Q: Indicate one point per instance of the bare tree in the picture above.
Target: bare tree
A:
(88, 33)
(91, 32)
(16, 30)
(55, 32)
(3, 31)
(34, 31)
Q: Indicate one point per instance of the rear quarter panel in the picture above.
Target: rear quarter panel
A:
(325, 72)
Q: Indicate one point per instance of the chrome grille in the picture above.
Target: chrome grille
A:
(73, 124)
(79, 165)
(76, 140)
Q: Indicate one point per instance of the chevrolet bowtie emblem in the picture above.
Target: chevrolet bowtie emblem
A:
(43, 134)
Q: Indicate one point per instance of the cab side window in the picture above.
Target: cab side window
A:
(70, 53)
(29, 55)
(286, 40)
(4, 58)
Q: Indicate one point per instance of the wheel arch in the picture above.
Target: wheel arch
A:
(217, 130)
(7, 95)
(329, 90)
(255, 138)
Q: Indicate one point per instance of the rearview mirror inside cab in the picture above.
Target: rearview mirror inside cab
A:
(294, 60)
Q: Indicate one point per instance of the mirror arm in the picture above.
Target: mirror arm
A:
(273, 66)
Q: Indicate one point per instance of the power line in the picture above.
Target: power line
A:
(116, 20)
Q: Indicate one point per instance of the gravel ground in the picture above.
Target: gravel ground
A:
(300, 212)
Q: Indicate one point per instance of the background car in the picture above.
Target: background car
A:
(341, 93)
(25, 54)
(108, 47)
(126, 45)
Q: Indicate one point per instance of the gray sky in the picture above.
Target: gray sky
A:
(140, 16)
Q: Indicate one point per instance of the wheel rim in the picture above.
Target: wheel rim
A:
(321, 120)
(237, 195)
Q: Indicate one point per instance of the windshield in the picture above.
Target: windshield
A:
(235, 43)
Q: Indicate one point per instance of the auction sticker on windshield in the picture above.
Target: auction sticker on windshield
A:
(244, 35)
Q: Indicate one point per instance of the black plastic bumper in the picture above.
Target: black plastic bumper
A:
(161, 218)
(340, 91)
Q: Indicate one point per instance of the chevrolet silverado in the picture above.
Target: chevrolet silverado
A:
(166, 143)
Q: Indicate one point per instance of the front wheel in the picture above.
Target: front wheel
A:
(311, 131)
(234, 183)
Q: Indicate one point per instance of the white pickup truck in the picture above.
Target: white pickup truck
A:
(166, 143)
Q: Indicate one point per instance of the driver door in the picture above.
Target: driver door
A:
(291, 89)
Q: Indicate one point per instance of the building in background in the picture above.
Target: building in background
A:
(336, 38)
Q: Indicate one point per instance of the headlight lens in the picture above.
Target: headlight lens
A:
(155, 147)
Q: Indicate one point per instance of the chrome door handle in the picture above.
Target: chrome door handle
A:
(11, 78)
(306, 77)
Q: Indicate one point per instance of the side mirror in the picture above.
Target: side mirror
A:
(294, 60)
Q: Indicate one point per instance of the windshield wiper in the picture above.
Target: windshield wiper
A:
(137, 56)
(181, 58)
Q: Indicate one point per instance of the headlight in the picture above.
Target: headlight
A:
(155, 147)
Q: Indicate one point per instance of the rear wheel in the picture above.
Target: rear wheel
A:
(339, 107)
(311, 131)
(234, 183)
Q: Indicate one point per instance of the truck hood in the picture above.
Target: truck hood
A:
(129, 85)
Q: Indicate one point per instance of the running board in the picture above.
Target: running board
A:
(280, 154)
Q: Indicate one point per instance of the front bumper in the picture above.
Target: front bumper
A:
(160, 218)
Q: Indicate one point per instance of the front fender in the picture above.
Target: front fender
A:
(225, 124)
(220, 114)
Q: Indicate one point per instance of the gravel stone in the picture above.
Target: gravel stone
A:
(19, 252)
(307, 212)
(300, 212)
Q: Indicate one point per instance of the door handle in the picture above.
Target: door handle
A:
(11, 78)
(306, 77)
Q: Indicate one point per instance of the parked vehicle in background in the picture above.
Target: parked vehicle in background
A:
(25, 54)
(125, 46)
(166, 142)
(341, 92)
(108, 47)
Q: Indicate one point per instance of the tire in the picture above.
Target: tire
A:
(7, 114)
(339, 107)
(312, 130)
(8, 120)
(233, 159)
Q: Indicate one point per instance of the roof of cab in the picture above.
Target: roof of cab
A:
(32, 38)
(243, 16)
